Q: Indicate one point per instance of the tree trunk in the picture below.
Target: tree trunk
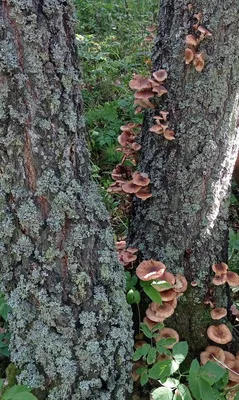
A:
(70, 324)
(184, 224)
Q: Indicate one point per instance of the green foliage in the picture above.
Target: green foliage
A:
(17, 392)
(233, 250)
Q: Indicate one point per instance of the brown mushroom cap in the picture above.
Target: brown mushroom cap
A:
(160, 75)
(173, 302)
(150, 324)
(164, 115)
(188, 55)
(168, 295)
(127, 256)
(219, 280)
(160, 90)
(181, 284)
(219, 334)
(161, 311)
(220, 269)
(191, 40)
(234, 376)
(121, 245)
(143, 193)
(199, 62)
(211, 352)
(144, 94)
(169, 134)
(140, 178)
(152, 315)
(168, 333)
(232, 278)
(130, 187)
(148, 270)
(139, 82)
(168, 277)
(230, 359)
(218, 313)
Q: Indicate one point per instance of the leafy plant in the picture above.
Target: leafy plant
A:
(17, 392)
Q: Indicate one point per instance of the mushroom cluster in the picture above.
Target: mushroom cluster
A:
(155, 271)
(161, 126)
(126, 256)
(138, 185)
(223, 275)
(146, 88)
(127, 140)
(193, 41)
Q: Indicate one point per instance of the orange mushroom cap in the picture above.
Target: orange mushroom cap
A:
(218, 313)
(148, 270)
(220, 269)
(219, 334)
(232, 278)
(211, 352)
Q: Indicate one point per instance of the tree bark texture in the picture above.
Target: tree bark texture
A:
(70, 324)
(184, 224)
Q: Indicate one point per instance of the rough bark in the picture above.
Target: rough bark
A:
(184, 224)
(70, 324)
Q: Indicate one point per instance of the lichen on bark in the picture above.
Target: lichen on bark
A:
(70, 324)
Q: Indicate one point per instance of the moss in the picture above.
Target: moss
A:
(11, 374)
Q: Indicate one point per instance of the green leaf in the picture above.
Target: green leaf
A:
(223, 381)
(147, 332)
(174, 367)
(206, 391)
(162, 350)
(144, 378)
(162, 393)
(141, 351)
(193, 379)
(18, 392)
(160, 370)
(140, 370)
(184, 392)
(24, 396)
(180, 351)
(4, 308)
(151, 357)
(133, 296)
(1, 384)
(145, 283)
(153, 294)
(211, 372)
(157, 327)
(161, 285)
(171, 383)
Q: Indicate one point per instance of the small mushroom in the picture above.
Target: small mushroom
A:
(232, 278)
(191, 40)
(234, 374)
(130, 187)
(219, 334)
(139, 82)
(169, 134)
(220, 269)
(219, 280)
(150, 324)
(199, 62)
(181, 284)
(143, 193)
(168, 295)
(160, 75)
(168, 333)
(210, 353)
(148, 270)
(140, 178)
(161, 312)
(188, 55)
(218, 313)
(230, 359)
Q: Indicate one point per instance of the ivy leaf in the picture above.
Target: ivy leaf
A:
(180, 351)
(142, 351)
(153, 294)
(151, 357)
(162, 393)
(184, 392)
